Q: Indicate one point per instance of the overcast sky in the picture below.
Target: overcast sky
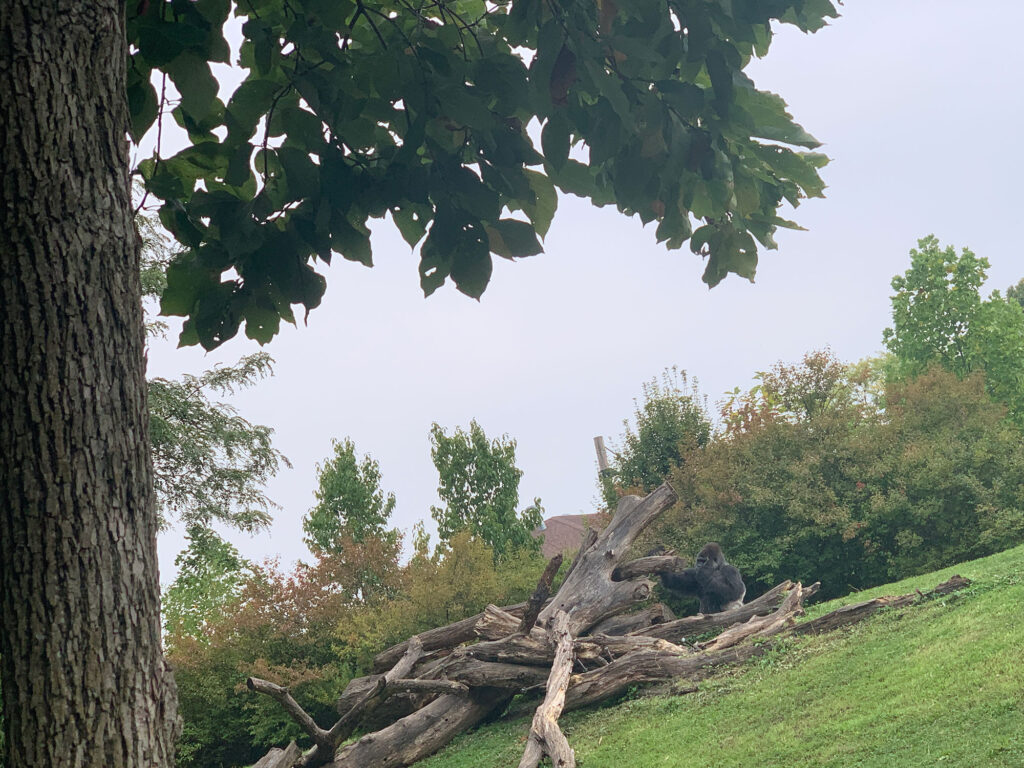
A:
(920, 106)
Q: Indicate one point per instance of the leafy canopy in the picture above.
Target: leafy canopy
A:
(479, 486)
(939, 317)
(671, 421)
(349, 501)
(353, 110)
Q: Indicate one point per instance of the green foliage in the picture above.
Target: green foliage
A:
(671, 421)
(817, 477)
(479, 487)
(316, 628)
(356, 110)
(1016, 292)
(952, 699)
(940, 317)
(208, 462)
(350, 501)
(456, 582)
(210, 576)
(281, 627)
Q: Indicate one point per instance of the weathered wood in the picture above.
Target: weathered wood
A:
(647, 666)
(692, 626)
(494, 674)
(588, 594)
(648, 566)
(760, 626)
(422, 733)
(625, 623)
(280, 758)
(545, 735)
(497, 624)
(540, 594)
(282, 696)
(412, 685)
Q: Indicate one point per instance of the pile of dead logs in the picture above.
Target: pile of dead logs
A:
(580, 647)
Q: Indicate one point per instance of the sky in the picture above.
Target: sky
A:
(919, 105)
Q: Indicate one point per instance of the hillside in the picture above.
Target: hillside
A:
(940, 683)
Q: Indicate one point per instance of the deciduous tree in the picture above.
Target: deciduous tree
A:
(479, 487)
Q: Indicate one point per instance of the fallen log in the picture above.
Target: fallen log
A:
(760, 626)
(693, 626)
(448, 636)
(624, 624)
(546, 738)
(648, 566)
(422, 733)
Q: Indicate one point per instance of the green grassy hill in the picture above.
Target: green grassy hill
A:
(936, 684)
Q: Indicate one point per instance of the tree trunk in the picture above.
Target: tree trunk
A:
(84, 681)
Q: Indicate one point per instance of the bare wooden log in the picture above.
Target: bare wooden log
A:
(545, 735)
(692, 626)
(280, 758)
(626, 623)
(448, 636)
(422, 733)
(497, 623)
(475, 673)
(647, 666)
(588, 594)
(540, 595)
(648, 566)
(291, 706)
(411, 685)
(760, 626)
(538, 651)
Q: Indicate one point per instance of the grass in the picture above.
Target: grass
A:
(937, 684)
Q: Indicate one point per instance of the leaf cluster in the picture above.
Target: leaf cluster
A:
(352, 110)
(208, 462)
(479, 487)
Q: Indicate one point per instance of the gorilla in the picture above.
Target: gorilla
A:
(717, 584)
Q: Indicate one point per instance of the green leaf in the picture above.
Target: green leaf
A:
(411, 221)
(512, 239)
(542, 210)
(143, 108)
(554, 140)
(471, 269)
(248, 104)
(195, 82)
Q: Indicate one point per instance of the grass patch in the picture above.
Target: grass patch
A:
(937, 684)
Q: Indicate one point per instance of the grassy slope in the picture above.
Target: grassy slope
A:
(939, 684)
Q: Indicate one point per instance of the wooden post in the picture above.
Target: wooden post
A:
(602, 455)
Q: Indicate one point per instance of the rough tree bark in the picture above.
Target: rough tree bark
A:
(84, 681)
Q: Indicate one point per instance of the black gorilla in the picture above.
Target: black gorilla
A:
(717, 584)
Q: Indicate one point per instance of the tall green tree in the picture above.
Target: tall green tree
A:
(479, 487)
(940, 317)
(350, 502)
(348, 110)
(670, 420)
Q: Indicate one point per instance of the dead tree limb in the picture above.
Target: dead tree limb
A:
(448, 636)
(280, 758)
(648, 566)
(760, 626)
(291, 706)
(545, 735)
(588, 594)
(692, 626)
(627, 623)
(540, 595)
